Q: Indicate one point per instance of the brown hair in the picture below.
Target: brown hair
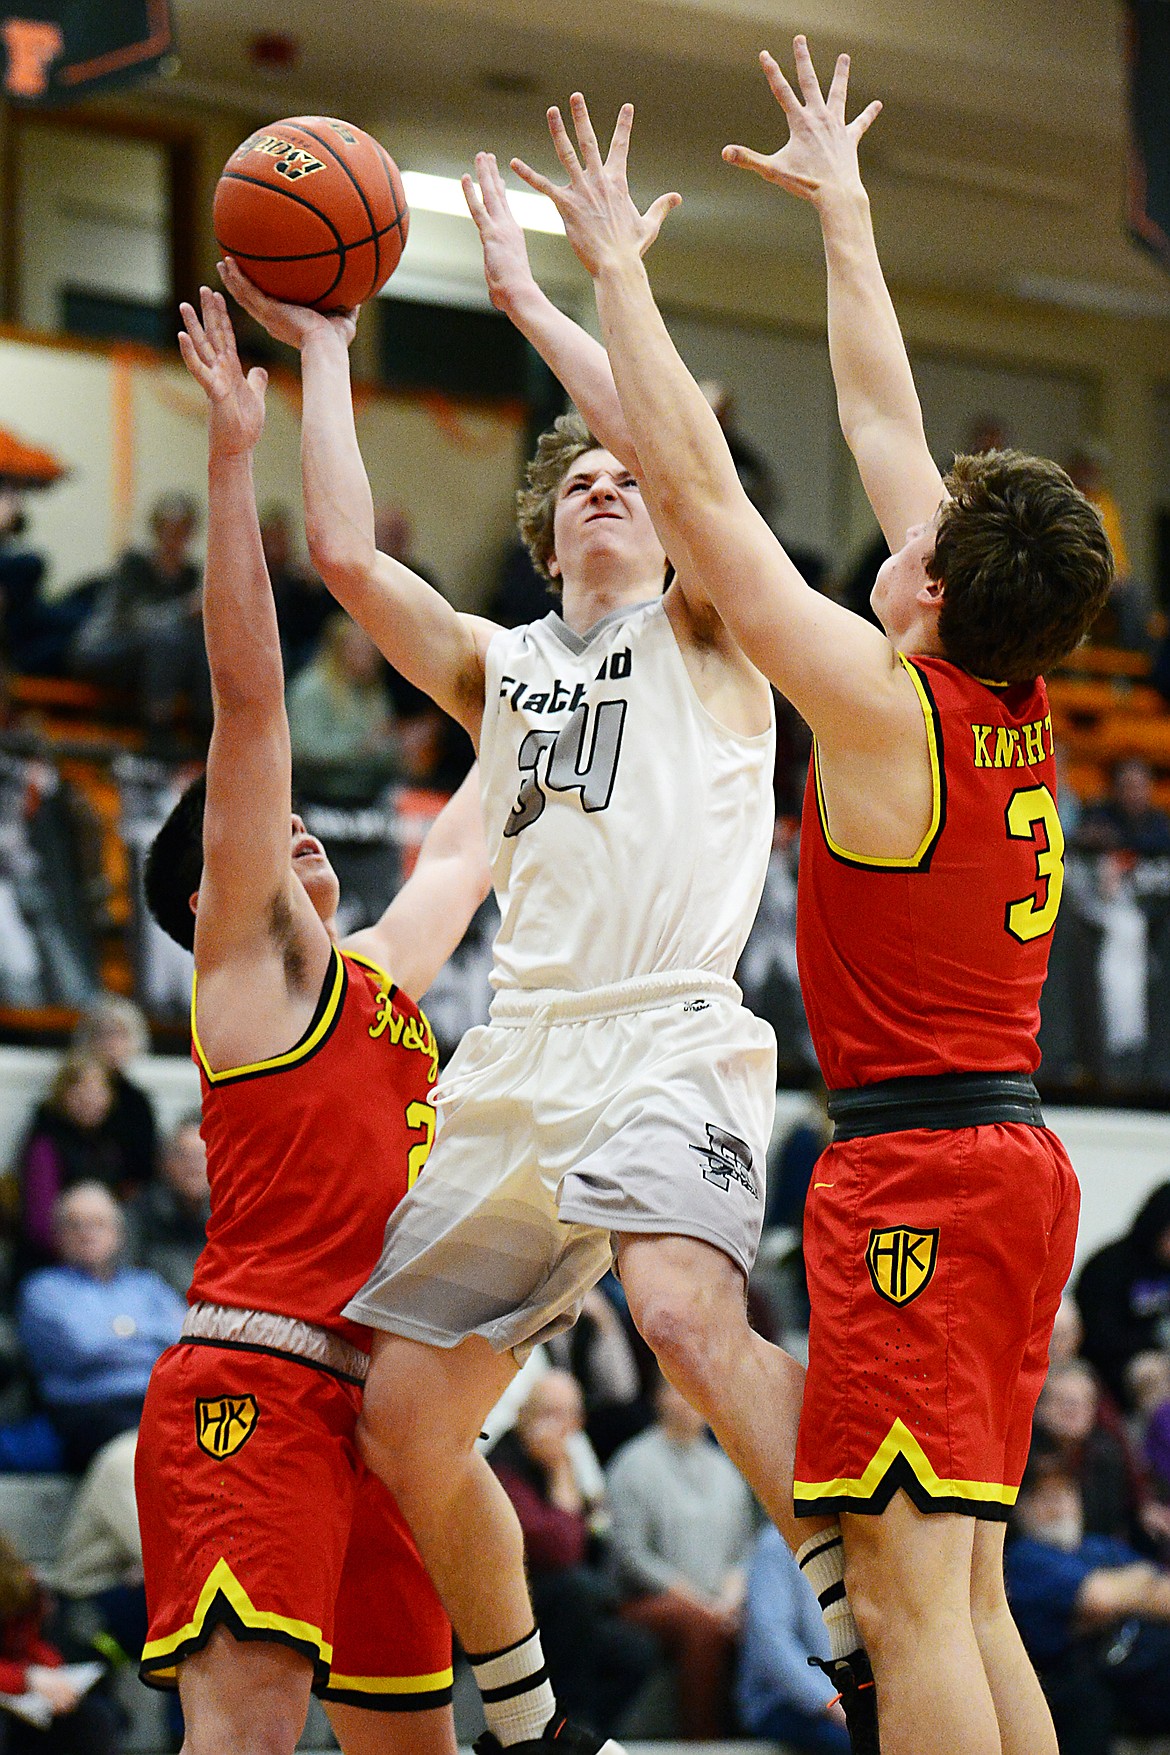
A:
(557, 450)
(1025, 565)
(19, 1590)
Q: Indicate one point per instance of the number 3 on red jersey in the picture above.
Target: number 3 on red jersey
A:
(1031, 816)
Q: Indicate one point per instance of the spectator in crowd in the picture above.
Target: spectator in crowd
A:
(1125, 621)
(1123, 1295)
(1127, 820)
(1067, 1416)
(779, 1697)
(612, 1364)
(597, 1662)
(1092, 1614)
(114, 1031)
(98, 1570)
(92, 1328)
(35, 631)
(145, 633)
(1068, 1331)
(339, 716)
(70, 1140)
(80, 1723)
(167, 1220)
(682, 1529)
(303, 605)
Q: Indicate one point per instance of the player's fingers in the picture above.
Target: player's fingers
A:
(475, 205)
(535, 180)
(563, 145)
(806, 73)
(867, 118)
(212, 328)
(838, 87)
(195, 334)
(192, 361)
(586, 134)
(744, 159)
(657, 212)
(219, 324)
(778, 84)
(244, 291)
(488, 177)
(258, 381)
(619, 146)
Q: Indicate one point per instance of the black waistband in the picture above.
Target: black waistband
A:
(969, 1099)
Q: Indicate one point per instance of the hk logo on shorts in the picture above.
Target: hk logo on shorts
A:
(224, 1423)
(901, 1262)
(729, 1159)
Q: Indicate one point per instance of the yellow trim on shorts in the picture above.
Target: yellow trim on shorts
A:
(303, 1048)
(934, 750)
(221, 1581)
(432, 1684)
(901, 1442)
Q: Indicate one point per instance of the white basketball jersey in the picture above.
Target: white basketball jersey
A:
(628, 831)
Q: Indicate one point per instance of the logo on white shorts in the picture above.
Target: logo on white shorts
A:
(729, 1159)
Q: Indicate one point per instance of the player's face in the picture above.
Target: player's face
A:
(311, 864)
(601, 521)
(895, 598)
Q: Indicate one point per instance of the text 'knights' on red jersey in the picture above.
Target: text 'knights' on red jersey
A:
(934, 964)
(309, 1153)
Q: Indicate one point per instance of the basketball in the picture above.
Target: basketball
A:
(313, 211)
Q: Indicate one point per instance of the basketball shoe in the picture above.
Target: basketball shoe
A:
(559, 1736)
(853, 1678)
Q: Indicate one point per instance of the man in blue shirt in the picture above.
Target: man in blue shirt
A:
(91, 1327)
(778, 1696)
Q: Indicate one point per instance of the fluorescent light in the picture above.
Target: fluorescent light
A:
(432, 194)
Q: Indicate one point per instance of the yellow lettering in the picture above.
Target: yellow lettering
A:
(1048, 729)
(1034, 741)
(982, 753)
(1007, 740)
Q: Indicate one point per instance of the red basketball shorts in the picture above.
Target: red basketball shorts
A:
(936, 1262)
(257, 1513)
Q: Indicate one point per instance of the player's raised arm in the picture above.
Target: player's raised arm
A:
(838, 670)
(249, 766)
(575, 358)
(433, 909)
(438, 649)
(881, 417)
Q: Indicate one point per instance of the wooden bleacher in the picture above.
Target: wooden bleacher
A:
(1103, 710)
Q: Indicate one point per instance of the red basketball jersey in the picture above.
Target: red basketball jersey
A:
(309, 1152)
(934, 964)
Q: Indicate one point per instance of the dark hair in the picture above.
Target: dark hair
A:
(174, 865)
(557, 450)
(1025, 564)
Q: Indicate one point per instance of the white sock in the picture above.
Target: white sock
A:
(517, 1695)
(822, 1560)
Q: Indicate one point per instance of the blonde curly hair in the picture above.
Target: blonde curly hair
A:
(557, 450)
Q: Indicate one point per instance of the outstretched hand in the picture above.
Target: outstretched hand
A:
(820, 154)
(292, 324)
(506, 267)
(209, 352)
(601, 220)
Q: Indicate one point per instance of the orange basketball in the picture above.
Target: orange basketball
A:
(313, 211)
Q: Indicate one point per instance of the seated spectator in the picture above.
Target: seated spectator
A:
(597, 1663)
(70, 1140)
(146, 631)
(339, 716)
(682, 1529)
(1125, 620)
(1067, 1415)
(1123, 1294)
(114, 1031)
(1092, 1614)
(303, 605)
(167, 1220)
(92, 1328)
(81, 1724)
(98, 1570)
(612, 1363)
(779, 1697)
(37, 631)
(1128, 820)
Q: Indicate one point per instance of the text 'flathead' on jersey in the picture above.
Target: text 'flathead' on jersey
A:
(523, 698)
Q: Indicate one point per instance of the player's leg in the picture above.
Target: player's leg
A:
(909, 1575)
(244, 1698)
(362, 1732)
(1025, 1723)
(688, 1301)
(423, 1410)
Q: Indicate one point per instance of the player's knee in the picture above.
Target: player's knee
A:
(679, 1338)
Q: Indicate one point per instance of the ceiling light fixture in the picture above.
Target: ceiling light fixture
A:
(434, 194)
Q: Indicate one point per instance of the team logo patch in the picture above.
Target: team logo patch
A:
(223, 1424)
(729, 1159)
(901, 1262)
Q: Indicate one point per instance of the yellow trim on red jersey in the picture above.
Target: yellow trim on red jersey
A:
(360, 957)
(222, 1581)
(434, 1683)
(876, 861)
(303, 1048)
(901, 1442)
